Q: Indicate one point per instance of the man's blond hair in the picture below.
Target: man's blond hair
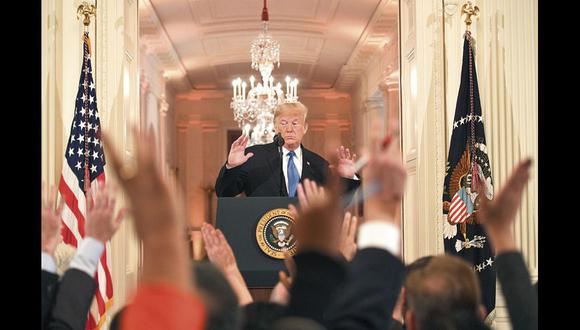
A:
(286, 108)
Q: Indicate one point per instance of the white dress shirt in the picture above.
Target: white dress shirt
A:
(379, 234)
(86, 258)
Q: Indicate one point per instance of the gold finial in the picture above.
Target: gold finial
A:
(469, 10)
(87, 11)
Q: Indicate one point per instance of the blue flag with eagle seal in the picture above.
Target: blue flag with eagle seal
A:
(468, 167)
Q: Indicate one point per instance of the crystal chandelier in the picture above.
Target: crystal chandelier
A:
(254, 111)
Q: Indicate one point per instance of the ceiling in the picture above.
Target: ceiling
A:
(202, 45)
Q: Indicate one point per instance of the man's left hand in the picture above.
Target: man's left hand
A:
(345, 167)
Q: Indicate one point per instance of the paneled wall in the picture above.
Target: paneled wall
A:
(115, 69)
(422, 131)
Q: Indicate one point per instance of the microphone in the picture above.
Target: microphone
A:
(279, 140)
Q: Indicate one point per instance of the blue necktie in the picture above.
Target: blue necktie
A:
(293, 176)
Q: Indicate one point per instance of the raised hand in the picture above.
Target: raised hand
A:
(51, 223)
(236, 156)
(345, 167)
(348, 235)
(385, 173)
(158, 218)
(218, 250)
(318, 219)
(280, 293)
(154, 205)
(220, 254)
(498, 215)
(100, 223)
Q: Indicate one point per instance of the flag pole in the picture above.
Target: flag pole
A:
(86, 10)
(472, 178)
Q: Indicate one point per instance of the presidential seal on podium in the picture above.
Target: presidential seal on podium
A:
(274, 233)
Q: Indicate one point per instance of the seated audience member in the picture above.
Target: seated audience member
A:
(218, 296)
(166, 297)
(261, 315)
(281, 292)
(65, 305)
(221, 255)
(399, 310)
(375, 275)
(220, 299)
(444, 294)
(361, 296)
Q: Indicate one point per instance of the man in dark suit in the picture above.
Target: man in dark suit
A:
(257, 170)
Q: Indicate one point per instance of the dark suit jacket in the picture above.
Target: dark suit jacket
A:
(370, 292)
(261, 174)
(360, 295)
(49, 286)
(520, 296)
(72, 301)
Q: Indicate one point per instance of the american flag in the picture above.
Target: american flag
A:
(84, 163)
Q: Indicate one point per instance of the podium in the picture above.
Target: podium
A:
(238, 219)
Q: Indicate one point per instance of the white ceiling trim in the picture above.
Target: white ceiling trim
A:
(373, 39)
(160, 46)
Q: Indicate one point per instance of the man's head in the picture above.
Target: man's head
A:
(290, 121)
(218, 296)
(443, 294)
(261, 315)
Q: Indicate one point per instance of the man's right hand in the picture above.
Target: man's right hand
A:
(237, 156)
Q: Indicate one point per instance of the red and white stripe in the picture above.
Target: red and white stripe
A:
(457, 210)
(73, 218)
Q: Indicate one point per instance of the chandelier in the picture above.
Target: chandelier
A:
(254, 111)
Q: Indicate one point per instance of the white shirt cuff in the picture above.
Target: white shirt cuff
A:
(48, 263)
(379, 234)
(88, 255)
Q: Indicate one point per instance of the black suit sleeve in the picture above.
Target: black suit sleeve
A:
(367, 299)
(520, 296)
(230, 182)
(318, 277)
(350, 184)
(49, 286)
(73, 301)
